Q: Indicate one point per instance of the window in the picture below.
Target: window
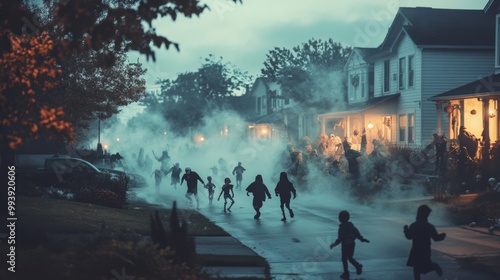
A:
(411, 70)
(411, 128)
(402, 128)
(387, 73)
(402, 67)
(259, 101)
(363, 88)
(287, 101)
(274, 103)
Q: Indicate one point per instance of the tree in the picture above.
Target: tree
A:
(32, 51)
(89, 92)
(309, 73)
(101, 27)
(192, 95)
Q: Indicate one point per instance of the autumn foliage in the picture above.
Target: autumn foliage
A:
(27, 73)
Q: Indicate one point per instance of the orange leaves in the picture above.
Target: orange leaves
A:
(52, 119)
(28, 71)
(28, 64)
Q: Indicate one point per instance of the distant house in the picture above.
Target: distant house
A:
(270, 117)
(473, 104)
(425, 52)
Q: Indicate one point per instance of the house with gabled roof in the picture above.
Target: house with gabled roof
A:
(269, 115)
(474, 104)
(426, 51)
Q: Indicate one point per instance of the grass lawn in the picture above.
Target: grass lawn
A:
(59, 216)
(66, 223)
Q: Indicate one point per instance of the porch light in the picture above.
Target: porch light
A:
(491, 114)
(473, 112)
(117, 139)
(264, 131)
(165, 133)
(370, 125)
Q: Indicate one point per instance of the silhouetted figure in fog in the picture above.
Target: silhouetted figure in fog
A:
(295, 160)
(223, 171)
(160, 173)
(140, 159)
(352, 159)
(347, 236)
(238, 171)
(440, 144)
(364, 142)
(210, 187)
(284, 189)
(259, 191)
(176, 175)
(227, 190)
(346, 145)
(464, 164)
(421, 232)
(192, 179)
(164, 160)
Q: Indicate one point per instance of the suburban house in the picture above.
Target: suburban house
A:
(426, 52)
(474, 105)
(277, 116)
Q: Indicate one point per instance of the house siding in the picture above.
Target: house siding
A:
(379, 76)
(357, 65)
(409, 101)
(443, 70)
(259, 91)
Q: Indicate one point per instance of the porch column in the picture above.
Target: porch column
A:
(485, 151)
(438, 109)
(497, 100)
(323, 123)
(462, 113)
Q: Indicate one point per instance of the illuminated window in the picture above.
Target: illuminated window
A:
(402, 128)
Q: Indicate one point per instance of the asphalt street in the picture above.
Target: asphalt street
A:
(299, 247)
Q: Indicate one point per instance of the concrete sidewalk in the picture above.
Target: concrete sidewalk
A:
(228, 246)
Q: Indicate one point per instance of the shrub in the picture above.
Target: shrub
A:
(109, 260)
(103, 189)
(483, 208)
(178, 239)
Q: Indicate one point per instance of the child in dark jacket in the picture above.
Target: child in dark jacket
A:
(421, 232)
(347, 236)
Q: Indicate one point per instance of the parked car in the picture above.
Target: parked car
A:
(60, 169)
(135, 180)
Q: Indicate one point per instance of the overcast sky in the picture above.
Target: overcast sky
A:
(244, 33)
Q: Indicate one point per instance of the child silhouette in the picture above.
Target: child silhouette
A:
(421, 232)
(347, 236)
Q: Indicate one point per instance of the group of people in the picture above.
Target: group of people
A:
(284, 189)
(420, 232)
